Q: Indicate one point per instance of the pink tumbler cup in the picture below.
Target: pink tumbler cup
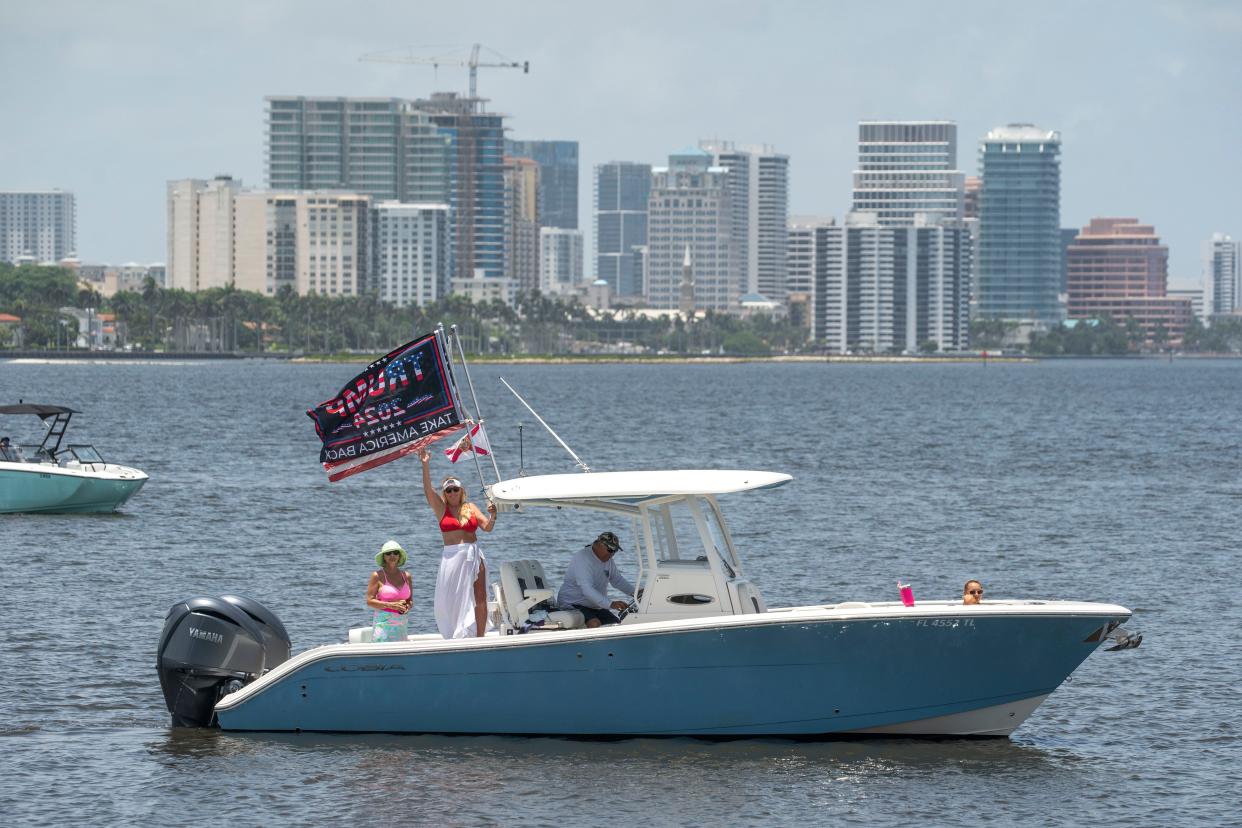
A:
(907, 594)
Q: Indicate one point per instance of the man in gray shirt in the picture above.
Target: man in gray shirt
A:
(586, 582)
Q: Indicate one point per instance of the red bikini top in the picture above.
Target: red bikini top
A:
(448, 523)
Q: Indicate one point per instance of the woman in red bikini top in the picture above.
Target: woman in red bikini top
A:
(461, 586)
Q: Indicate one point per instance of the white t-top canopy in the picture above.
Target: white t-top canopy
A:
(633, 485)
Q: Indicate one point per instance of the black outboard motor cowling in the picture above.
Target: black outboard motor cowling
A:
(210, 646)
(276, 644)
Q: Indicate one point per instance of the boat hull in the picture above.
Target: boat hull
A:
(31, 487)
(902, 673)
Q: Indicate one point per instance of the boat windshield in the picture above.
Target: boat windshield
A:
(81, 453)
(676, 531)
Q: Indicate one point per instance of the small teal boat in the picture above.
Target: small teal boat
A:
(49, 477)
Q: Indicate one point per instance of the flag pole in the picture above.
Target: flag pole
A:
(447, 349)
(470, 382)
(448, 361)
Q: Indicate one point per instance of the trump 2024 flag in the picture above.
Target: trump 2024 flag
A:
(401, 403)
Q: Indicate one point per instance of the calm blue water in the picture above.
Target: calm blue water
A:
(1109, 481)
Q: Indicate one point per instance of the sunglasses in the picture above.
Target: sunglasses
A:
(975, 591)
(451, 489)
(392, 553)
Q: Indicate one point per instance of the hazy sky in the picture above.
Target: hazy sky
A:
(112, 99)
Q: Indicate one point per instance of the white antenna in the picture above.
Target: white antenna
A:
(577, 459)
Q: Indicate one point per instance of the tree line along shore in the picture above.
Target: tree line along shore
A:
(37, 304)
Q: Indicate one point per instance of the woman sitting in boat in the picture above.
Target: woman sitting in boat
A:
(389, 594)
(461, 586)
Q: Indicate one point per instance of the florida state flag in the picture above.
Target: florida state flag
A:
(401, 403)
(474, 441)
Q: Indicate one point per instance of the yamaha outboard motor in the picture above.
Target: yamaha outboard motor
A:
(213, 646)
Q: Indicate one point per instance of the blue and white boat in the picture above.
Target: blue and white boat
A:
(699, 652)
(49, 477)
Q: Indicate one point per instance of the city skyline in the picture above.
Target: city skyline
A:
(147, 104)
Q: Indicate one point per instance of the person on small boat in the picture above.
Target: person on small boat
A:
(389, 594)
(585, 587)
(972, 593)
(6, 451)
(461, 585)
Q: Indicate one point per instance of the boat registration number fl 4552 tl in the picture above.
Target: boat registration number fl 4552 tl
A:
(698, 653)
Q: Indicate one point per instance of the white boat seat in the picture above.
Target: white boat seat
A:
(523, 588)
(360, 635)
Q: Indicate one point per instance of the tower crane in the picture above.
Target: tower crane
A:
(408, 56)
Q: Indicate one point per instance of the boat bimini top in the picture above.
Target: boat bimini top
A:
(632, 487)
(687, 563)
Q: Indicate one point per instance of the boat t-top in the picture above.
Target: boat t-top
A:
(698, 653)
(55, 477)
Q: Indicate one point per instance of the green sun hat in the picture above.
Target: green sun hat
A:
(391, 546)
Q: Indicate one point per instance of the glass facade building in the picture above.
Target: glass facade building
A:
(477, 183)
(621, 192)
(383, 147)
(906, 168)
(1020, 251)
(558, 179)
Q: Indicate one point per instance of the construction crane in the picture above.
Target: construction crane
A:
(408, 56)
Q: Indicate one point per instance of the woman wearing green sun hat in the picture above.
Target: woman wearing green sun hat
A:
(389, 594)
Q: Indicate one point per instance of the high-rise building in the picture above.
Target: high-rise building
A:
(409, 252)
(477, 193)
(316, 242)
(222, 235)
(558, 179)
(522, 222)
(1020, 225)
(200, 232)
(1117, 267)
(758, 181)
(800, 281)
(892, 289)
(1222, 276)
(621, 192)
(386, 148)
(444, 149)
(37, 226)
(689, 207)
(906, 168)
(560, 260)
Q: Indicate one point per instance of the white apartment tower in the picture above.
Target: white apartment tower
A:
(560, 260)
(892, 289)
(1222, 277)
(200, 232)
(37, 226)
(800, 278)
(758, 180)
(906, 168)
(410, 255)
(689, 206)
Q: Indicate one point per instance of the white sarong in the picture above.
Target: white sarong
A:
(459, 568)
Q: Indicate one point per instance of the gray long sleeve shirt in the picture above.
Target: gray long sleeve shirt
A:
(587, 579)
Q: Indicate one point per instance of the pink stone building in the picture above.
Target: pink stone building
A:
(1118, 267)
